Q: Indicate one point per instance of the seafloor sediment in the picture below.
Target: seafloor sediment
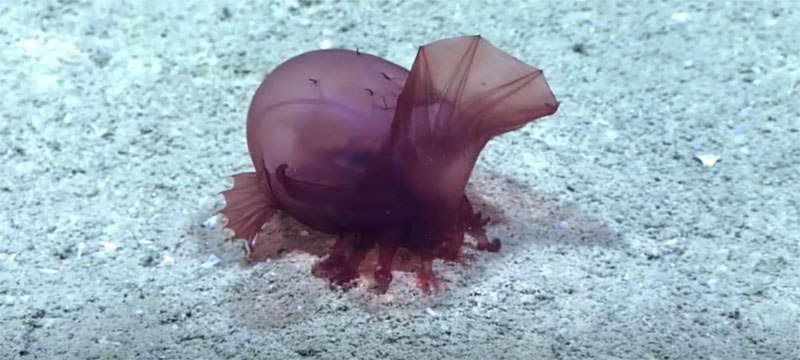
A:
(655, 216)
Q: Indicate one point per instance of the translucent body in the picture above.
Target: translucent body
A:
(324, 114)
(351, 144)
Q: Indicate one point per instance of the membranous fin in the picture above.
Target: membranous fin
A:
(248, 205)
(465, 86)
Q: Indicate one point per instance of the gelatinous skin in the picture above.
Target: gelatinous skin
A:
(353, 145)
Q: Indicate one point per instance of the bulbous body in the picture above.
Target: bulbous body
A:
(351, 144)
(323, 115)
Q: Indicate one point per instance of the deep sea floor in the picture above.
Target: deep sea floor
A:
(655, 216)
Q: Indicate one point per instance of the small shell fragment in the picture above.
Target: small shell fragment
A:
(108, 246)
(79, 252)
(680, 17)
(211, 260)
(708, 159)
(210, 222)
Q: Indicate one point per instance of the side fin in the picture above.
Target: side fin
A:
(248, 205)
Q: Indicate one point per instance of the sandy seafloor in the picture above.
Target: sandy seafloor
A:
(120, 121)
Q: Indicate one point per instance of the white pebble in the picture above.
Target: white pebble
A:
(211, 260)
(712, 284)
(80, 248)
(680, 17)
(210, 222)
(708, 159)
